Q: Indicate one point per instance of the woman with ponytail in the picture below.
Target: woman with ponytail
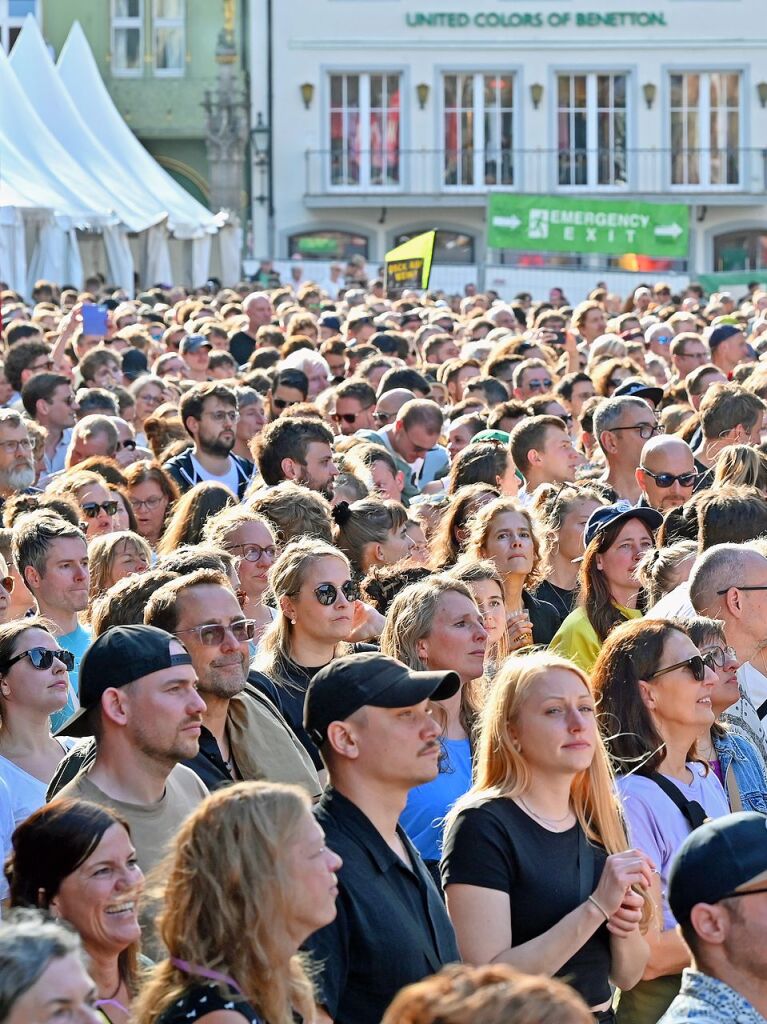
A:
(371, 532)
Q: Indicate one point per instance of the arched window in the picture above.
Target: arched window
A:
(449, 246)
(327, 245)
(741, 250)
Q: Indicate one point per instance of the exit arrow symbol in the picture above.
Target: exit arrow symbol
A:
(506, 222)
(668, 231)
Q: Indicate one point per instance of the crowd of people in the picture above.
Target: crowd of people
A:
(375, 659)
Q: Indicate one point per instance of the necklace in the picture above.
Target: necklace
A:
(540, 817)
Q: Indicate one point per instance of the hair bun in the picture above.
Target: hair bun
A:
(341, 513)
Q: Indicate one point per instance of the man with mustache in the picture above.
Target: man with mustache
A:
(209, 414)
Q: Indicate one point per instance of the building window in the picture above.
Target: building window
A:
(364, 131)
(449, 246)
(741, 250)
(591, 130)
(127, 37)
(168, 29)
(478, 129)
(12, 15)
(705, 129)
(327, 245)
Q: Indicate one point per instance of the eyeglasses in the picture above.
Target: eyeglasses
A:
(540, 385)
(253, 552)
(150, 504)
(327, 593)
(734, 586)
(667, 479)
(349, 417)
(11, 447)
(129, 446)
(8, 583)
(92, 508)
(47, 364)
(383, 417)
(282, 403)
(719, 656)
(223, 417)
(42, 658)
(696, 665)
(646, 430)
(213, 634)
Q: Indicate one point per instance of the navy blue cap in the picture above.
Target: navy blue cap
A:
(722, 333)
(331, 320)
(134, 363)
(636, 388)
(621, 511)
(193, 343)
(722, 858)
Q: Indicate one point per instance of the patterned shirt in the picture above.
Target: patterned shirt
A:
(706, 1000)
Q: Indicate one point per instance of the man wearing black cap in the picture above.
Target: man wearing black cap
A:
(371, 718)
(138, 696)
(717, 891)
(728, 347)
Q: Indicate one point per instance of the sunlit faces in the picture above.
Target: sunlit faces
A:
(247, 541)
(396, 546)
(314, 886)
(222, 668)
(570, 533)
(65, 583)
(147, 400)
(319, 471)
(252, 419)
(385, 483)
(489, 597)
(64, 992)
(42, 691)
(92, 499)
(214, 431)
(128, 561)
(557, 459)
(457, 639)
(619, 562)
(419, 545)
(556, 727)
(509, 543)
(726, 690)
(326, 623)
(397, 745)
(100, 898)
(413, 442)
(458, 438)
(150, 505)
(676, 699)
(508, 484)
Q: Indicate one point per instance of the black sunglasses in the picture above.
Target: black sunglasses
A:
(130, 445)
(92, 508)
(349, 417)
(327, 593)
(696, 665)
(282, 403)
(667, 479)
(42, 658)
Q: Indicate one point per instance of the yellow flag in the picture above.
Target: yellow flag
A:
(409, 265)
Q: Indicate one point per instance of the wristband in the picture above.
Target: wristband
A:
(601, 910)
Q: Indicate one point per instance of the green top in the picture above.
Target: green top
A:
(577, 640)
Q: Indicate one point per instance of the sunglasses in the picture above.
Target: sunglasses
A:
(540, 385)
(667, 479)
(383, 417)
(42, 658)
(129, 445)
(349, 417)
(92, 508)
(214, 634)
(327, 593)
(253, 552)
(696, 665)
(282, 403)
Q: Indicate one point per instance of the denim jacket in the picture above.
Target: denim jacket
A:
(748, 769)
(706, 1000)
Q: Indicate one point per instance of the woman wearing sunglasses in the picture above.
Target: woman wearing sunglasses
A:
(733, 758)
(34, 684)
(97, 506)
(318, 608)
(654, 698)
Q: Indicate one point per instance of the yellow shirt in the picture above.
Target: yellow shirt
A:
(577, 640)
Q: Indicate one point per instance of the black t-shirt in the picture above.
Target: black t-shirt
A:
(497, 846)
(203, 998)
(561, 600)
(545, 620)
(241, 346)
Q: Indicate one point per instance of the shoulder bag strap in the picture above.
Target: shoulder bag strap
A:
(691, 809)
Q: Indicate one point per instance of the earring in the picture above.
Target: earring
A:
(292, 622)
(517, 746)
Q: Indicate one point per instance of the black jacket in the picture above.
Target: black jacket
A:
(183, 472)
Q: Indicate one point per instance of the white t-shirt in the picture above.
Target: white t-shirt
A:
(27, 792)
(674, 605)
(753, 685)
(231, 480)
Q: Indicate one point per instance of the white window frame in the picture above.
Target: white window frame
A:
(125, 22)
(704, 126)
(9, 21)
(364, 184)
(480, 154)
(158, 23)
(592, 130)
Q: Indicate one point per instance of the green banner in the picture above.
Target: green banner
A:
(717, 282)
(562, 224)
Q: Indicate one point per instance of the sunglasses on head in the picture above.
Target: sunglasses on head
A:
(667, 479)
(42, 658)
(327, 593)
(92, 508)
(696, 665)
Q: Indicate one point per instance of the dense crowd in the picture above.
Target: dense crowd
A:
(368, 659)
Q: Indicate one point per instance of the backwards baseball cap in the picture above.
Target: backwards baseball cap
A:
(120, 656)
(722, 333)
(636, 388)
(193, 343)
(724, 857)
(350, 683)
(620, 512)
(330, 320)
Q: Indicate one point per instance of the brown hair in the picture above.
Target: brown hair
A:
(595, 592)
(191, 513)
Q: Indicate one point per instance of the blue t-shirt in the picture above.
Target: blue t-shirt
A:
(77, 642)
(427, 805)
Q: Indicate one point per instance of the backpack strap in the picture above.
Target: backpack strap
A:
(694, 814)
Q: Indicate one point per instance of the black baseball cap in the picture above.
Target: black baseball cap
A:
(134, 363)
(120, 656)
(352, 682)
(721, 333)
(621, 511)
(636, 388)
(722, 858)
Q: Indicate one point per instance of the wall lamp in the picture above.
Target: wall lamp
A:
(422, 91)
(536, 94)
(649, 90)
(307, 94)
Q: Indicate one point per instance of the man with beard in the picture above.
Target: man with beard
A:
(209, 414)
(17, 468)
(297, 449)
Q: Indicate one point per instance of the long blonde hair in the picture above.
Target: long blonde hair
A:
(226, 899)
(501, 770)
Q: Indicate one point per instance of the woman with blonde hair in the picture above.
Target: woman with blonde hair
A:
(451, 534)
(371, 532)
(112, 558)
(663, 569)
(741, 464)
(233, 936)
(191, 513)
(505, 532)
(536, 865)
(434, 625)
(486, 586)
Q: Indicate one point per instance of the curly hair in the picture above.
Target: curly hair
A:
(480, 530)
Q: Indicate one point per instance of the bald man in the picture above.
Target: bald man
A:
(389, 404)
(666, 472)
